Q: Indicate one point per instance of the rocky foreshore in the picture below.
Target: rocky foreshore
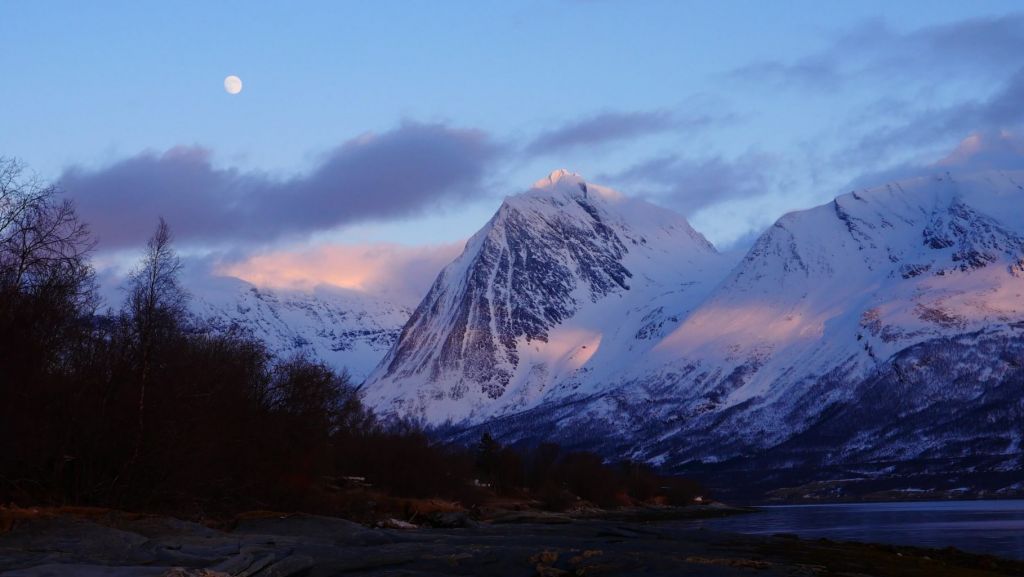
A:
(268, 545)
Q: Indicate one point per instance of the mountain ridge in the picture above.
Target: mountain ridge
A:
(826, 302)
(870, 329)
(347, 329)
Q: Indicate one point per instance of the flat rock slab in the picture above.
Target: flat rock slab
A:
(310, 546)
(85, 570)
(313, 527)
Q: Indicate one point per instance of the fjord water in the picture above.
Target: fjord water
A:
(992, 527)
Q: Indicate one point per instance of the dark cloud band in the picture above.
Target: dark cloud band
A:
(389, 175)
(610, 127)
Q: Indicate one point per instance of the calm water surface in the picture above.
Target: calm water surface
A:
(995, 527)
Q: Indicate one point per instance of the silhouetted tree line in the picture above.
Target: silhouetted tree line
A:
(146, 408)
(559, 479)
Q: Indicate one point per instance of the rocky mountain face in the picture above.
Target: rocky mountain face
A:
(349, 330)
(568, 282)
(883, 328)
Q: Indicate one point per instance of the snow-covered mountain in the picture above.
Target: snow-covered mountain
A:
(347, 329)
(879, 334)
(825, 301)
(885, 326)
(567, 284)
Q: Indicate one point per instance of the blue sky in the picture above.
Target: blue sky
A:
(730, 112)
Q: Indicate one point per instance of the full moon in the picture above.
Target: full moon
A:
(233, 84)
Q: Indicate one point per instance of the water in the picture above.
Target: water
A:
(994, 527)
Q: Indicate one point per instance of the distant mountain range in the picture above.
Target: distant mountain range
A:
(349, 330)
(878, 336)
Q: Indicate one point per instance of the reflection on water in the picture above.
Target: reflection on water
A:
(995, 527)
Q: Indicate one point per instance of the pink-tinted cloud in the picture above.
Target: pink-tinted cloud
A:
(389, 175)
(402, 273)
(999, 150)
(982, 150)
(1000, 111)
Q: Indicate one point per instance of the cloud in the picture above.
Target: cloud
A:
(689, 184)
(817, 72)
(401, 273)
(980, 46)
(991, 42)
(1001, 150)
(389, 175)
(610, 127)
(1001, 111)
(979, 151)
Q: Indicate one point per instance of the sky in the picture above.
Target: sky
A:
(372, 138)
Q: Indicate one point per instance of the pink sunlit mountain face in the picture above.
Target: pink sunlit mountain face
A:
(883, 326)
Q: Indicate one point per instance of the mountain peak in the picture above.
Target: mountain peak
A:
(557, 177)
(562, 182)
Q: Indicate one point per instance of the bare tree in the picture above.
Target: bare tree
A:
(155, 308)
(43, 244)
(17, 192)
(47, 299)
(156, 300)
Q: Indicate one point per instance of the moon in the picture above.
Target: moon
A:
(233, 84)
